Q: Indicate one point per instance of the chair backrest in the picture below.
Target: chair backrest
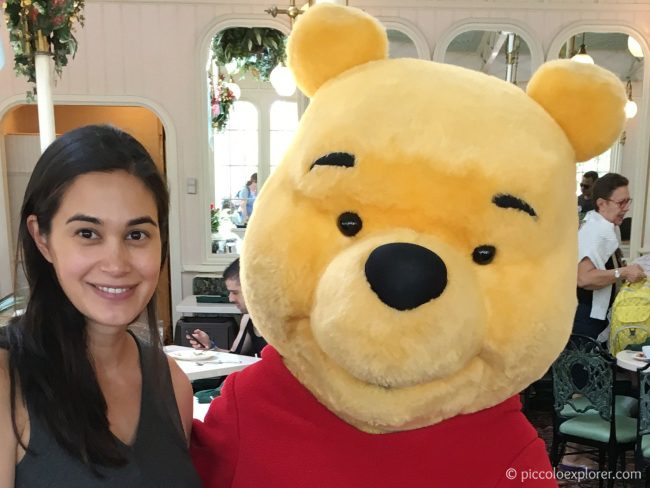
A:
(644, 401)
(629, 337)
(585, 369)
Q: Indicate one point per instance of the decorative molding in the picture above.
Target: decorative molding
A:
(410, 30)
(612, 5)
(215, 268)
(6, 246)
(206, 154)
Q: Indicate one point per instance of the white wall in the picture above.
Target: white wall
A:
(149, 52)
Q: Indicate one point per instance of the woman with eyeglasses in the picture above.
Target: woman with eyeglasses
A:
(599, 261)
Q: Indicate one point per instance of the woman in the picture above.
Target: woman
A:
(83, 403)
(247, 197)
(597, 245)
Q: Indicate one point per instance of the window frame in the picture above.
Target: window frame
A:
(262, 96)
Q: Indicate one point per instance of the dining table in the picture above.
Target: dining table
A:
(200, 364)
(631, 360)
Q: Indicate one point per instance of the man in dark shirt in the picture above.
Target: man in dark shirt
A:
(585, 202)
(248, 341)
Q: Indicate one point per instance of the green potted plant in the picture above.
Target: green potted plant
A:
(214, 219)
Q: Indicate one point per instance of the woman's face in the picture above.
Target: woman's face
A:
(616, 206)
(105, 246)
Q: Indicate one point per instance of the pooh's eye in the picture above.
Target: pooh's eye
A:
(349, 224)
(484, 254)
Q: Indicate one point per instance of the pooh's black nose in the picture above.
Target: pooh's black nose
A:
(405, 276)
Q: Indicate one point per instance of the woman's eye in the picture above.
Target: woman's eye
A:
(136, 235)
(484, 254)
(349, 224)
(86, 234)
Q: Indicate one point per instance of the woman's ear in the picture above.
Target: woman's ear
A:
(39, 239)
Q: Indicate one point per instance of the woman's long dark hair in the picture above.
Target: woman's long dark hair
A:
(48, 355)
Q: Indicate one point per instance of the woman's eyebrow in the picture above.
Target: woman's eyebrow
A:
(84, 218)
(94, 220)
(142, 220)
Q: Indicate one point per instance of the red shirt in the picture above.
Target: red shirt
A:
(267, 430)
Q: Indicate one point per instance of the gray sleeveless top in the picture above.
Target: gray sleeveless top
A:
(158, 457)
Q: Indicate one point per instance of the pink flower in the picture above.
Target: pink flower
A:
(216, 109)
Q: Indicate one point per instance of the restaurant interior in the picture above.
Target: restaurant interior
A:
(203, 85)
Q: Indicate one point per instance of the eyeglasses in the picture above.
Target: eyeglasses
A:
(622, 203)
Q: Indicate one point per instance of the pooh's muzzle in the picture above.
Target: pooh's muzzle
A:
(404, 275)
(399, 308)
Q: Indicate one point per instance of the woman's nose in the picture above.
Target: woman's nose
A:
(117, 259)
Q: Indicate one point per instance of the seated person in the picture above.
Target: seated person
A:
(248, 341)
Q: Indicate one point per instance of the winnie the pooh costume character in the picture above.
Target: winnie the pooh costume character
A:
(409, 278)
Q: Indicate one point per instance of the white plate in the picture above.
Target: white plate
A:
(196, 355)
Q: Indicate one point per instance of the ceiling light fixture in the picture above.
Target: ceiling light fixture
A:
(582, 56)
(282, 80)
(634, 47)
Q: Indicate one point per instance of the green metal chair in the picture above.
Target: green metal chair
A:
(642, 451)
(585, 406)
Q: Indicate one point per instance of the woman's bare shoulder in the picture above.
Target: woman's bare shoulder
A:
(183, 393)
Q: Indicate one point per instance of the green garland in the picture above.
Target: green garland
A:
(256, 50)
(54, 19)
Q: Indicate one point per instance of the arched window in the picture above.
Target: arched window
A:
(252, 124)
(283, 125)
(236, 152)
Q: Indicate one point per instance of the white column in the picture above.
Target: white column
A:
(43, 62)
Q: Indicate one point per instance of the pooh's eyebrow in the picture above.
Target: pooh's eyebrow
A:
(343, 159)
(504, 200)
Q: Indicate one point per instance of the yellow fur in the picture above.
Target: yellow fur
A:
(585, 100)
(433, 145)
(330, 41)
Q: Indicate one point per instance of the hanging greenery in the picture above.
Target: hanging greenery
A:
(255, 50)
(52, 21)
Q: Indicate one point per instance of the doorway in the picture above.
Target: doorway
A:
(19, 132)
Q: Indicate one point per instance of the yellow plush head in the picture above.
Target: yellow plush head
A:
(414, 256)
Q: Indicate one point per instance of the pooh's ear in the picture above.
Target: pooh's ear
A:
(329, 39)
(585, 100)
